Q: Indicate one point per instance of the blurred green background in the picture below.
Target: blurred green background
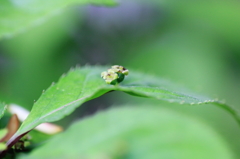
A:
(193, 43)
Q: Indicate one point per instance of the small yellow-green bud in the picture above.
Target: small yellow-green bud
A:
(27, 143)
(3, 146)
(117, 68)
(104, 74)
(125, 72)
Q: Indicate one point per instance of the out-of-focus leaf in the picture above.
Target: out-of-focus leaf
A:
(136, 132)
(17, 15)
(2, 109)
(220, 16)
(83, 84)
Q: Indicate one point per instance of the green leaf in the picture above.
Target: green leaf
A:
(134, 133)
(3, 132)
(18, 15)
(83, 84)
(2, 109)
(38, 137)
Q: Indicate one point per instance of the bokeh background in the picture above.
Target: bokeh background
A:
(193, 43)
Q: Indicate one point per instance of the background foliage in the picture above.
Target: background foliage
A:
(195, 43)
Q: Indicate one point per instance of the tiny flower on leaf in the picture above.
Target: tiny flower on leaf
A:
(114, 75)
(120, 69)
(110, 76)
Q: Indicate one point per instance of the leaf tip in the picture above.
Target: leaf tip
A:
(49, 128)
